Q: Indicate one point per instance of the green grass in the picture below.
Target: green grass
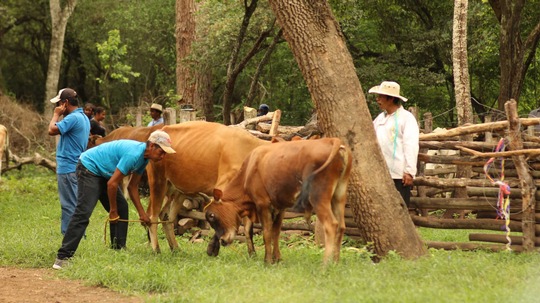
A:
(30, 237)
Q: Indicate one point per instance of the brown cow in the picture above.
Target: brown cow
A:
(4, 144)
(315, 172)
(207, 156)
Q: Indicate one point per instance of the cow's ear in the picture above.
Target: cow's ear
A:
(217, 194)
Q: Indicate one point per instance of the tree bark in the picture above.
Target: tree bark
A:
(461, 85)
(317, 43)
(59, 20)
(185, 36)
(515, 55)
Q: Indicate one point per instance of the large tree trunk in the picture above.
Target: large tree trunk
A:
(59, 19)
(318, 45)
(515, 55)
(185, 36)
(461, 85)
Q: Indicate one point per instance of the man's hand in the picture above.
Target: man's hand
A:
(145, 219)
(60, 110)
(113, 216)
(407, 179)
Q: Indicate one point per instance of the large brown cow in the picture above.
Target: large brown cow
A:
(314, 172)
(207, 156)
(4, 144)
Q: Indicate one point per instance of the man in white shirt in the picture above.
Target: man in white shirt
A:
(155, 112)
(398, 135)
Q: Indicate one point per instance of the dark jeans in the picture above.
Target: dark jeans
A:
(92, 188)
(405, 191)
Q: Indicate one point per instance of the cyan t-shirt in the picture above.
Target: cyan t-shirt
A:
(126, 155)
(74, 131)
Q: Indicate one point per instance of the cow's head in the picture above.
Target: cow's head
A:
(225, 218)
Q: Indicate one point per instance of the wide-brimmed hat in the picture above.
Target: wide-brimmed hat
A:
(162, 139)
(388, 88)
(63, 94)
(157, 107)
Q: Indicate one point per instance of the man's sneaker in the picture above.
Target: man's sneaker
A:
(59, 263)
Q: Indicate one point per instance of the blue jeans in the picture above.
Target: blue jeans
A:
(67, 192)
(92, 188)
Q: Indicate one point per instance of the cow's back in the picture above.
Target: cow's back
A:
(207, 155)
(137, 133)
(279, 170)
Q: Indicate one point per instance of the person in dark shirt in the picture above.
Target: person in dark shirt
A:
(96, 124)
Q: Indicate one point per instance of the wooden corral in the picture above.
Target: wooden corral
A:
(479, 210)
(434, 191)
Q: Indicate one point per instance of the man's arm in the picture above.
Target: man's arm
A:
(133, 189)
(53, 128)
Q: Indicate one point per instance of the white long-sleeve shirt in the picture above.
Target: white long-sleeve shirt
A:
(398, 137)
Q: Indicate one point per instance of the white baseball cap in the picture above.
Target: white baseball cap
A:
(162, 139)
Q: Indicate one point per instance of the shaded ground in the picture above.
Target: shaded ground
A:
(41, 285)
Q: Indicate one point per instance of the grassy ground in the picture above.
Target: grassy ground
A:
(30, 237)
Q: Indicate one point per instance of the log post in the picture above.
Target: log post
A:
(528, 188)
(488, 136)
(169, 116)
(138, 117)
(275, 123)
(187, 113)
(422, 190)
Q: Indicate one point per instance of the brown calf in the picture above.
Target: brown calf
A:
(315, 173)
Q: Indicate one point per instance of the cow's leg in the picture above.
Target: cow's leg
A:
(276, 230)
(168, 217)
(339, 199)
(265, 217)
(322, 200)
(158, 187)
(248, 231)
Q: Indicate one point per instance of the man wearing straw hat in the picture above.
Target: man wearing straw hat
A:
(155, 113)
(398, 134)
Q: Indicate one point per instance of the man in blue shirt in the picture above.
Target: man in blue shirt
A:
(100, 173)
(73, 130)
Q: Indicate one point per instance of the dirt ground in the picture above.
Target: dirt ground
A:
(41, 285)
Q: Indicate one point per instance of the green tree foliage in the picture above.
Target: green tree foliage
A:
(112, 54)
(408, 41)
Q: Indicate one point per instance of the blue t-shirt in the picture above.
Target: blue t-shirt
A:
(126, 155)
(74, 130)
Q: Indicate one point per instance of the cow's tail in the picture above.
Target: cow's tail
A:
(302, 204)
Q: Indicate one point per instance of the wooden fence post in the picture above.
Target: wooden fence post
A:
(528, 188)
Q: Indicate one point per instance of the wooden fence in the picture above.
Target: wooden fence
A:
(470, 202)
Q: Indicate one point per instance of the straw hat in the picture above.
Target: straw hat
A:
(387, 88)
(157, 107)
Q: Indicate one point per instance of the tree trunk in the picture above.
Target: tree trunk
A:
(233, 68)
(461, 85)
(318, 45)
(515, 55)
(185, 36)
(59, 20)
